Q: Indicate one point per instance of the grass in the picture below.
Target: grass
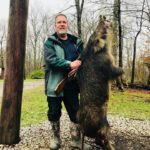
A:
(34, 107)
(127, 104)
(135, 105)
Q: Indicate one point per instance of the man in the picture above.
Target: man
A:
(61, 51)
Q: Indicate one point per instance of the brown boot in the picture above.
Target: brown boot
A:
(55, 138)
(76, 137)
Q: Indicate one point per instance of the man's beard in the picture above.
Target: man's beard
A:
(62, 33)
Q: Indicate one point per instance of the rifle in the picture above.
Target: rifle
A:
(62, 83)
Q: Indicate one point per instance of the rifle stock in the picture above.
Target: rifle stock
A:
(60, 86)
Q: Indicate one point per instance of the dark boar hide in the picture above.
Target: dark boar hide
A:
(94, 76)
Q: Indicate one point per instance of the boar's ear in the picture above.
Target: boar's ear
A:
(102, 17)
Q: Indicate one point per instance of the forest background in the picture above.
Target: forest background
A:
(131, 23)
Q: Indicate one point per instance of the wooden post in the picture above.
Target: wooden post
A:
(13, 79)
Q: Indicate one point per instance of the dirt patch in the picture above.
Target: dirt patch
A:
(138, 91)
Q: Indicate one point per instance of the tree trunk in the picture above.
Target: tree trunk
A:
(148, 81)
(135, 41)
(115, 30)
(118, 40)
(13, 84)
(2, 57)
(79, 10)
(79, 25)
(120, 34)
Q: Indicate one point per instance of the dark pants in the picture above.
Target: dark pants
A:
(71, 103)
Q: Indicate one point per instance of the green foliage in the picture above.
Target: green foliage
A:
(37, 74)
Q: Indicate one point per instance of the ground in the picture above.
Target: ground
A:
(126, 134)
(139, 91)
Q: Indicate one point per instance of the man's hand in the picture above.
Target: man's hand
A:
(75, 64)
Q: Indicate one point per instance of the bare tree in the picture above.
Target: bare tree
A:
(115, 30)
(2, 41)
(135, 44)
(39, 27)
(79, 9)
(36, 23)
(120, 34)
(89, 22)
(13, 84)
(47, 29)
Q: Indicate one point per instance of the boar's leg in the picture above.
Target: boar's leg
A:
(83, 136)
(115, 72)
(102, 138)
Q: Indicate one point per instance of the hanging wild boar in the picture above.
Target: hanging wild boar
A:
(94, 77)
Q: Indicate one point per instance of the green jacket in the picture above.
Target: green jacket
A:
(55, 63)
